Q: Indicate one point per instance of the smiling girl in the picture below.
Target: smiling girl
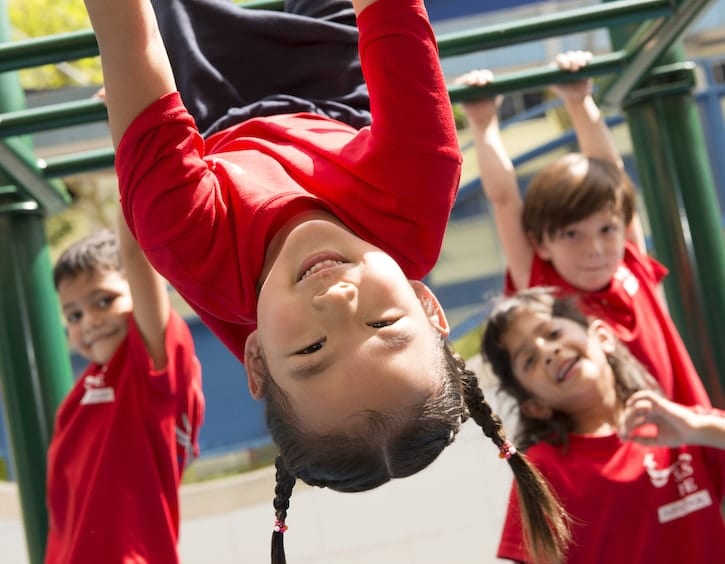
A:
(579, 392)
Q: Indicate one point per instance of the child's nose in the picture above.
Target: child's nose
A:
(91, 320)
(551, 351)
(595, 247)
(339, 295)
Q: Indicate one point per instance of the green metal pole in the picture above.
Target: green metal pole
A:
(659, 183)
(35, 371)
(669, 150)
(683, 132)
(34, 365)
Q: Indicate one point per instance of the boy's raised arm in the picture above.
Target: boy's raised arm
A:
(149, 294)
(499, 181)
(593, 136)
(136, 69)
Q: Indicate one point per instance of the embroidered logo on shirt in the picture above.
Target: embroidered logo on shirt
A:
(96, 390)
(682, 472)
(629, 281)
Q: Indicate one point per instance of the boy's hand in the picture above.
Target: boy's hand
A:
(573, 61)
(480, 112)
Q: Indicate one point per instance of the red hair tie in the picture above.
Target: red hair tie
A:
(279, 526)
(507, 450)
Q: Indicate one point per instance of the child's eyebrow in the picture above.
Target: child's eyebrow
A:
(309, 370)
(398, 340)
(535, 331)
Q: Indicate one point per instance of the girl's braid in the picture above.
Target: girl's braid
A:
(544, 519)
(480, 411)
(282, 494)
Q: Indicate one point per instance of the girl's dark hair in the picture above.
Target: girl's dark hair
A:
(399, 445)
(572, 188)
(94, 253)
(629, 374)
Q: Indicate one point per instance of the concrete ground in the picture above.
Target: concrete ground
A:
(450, 512)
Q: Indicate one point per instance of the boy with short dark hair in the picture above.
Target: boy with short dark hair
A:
(126, 430)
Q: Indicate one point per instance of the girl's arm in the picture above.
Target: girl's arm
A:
(498, 178)
(136, 69)
(149, 294)
(674, 424)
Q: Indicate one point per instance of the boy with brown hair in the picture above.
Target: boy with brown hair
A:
(576, 229)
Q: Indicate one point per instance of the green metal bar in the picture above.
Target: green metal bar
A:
(675, 78)
(682, 130)
(47, 50)
(551, 25)
(52, 116)
(20, 207)
(35, 369)
(20, 165)
(43, 119)
(648, 52)
(88, 111)
(538, 78)
(66, 165)
(63, 47)
(277, 5)
(7, 189)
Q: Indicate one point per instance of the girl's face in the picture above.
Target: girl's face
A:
(587, 253)
(342, 330)
(562, 364)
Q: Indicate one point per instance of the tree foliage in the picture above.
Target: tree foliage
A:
(40, 18)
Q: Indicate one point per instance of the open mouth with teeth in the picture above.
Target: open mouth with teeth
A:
(318, 263)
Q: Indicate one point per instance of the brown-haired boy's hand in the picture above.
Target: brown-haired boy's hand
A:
(481, 112)
(573, 61)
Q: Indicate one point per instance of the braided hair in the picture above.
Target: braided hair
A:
(543, 517)
(282, 492)
(399, 445)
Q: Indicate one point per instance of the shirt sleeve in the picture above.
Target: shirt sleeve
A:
(402, 68)
(185, 372)
(412, 160)
(181, 210)
(175, 390)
